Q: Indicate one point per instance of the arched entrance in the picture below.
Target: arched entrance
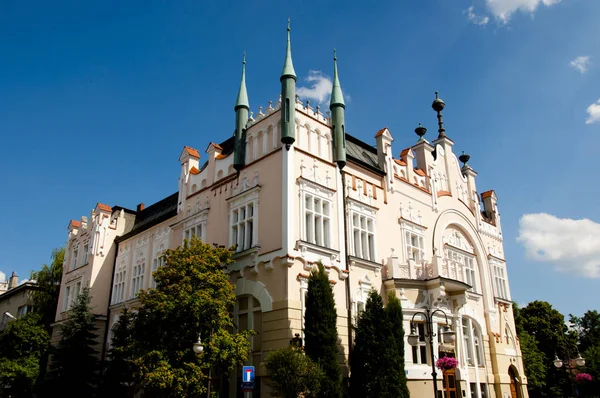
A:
(514, 383)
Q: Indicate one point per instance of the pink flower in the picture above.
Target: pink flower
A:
(583, 377)
(446, 363)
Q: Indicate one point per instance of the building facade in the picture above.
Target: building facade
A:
(15, 299)
(290, 188)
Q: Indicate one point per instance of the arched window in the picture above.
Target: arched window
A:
(250, 150)
(157, 261)
(461, 263)
(260, 150)
(137, 277)
(203, 183)
(249, 317)
(270, 138)
(219, 174)
(194, 188)
(473, 343)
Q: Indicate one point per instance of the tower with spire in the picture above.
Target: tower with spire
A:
(288, 96)
(242, 107)
(337, 107)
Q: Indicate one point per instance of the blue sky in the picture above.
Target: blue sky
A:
(98, 98)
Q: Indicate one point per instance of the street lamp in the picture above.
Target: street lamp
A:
(198, 348)
(448, 337)
(569, 365)
(9, 315)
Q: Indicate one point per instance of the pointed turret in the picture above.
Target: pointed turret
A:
(242, 107)
(337, 107)
(288, 96)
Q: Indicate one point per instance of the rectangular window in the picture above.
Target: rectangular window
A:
(419, 351)
(483, 390)
(467, 263)
(71, 293)
(137, 279)
(196, 230)
(84, 254)
(157, 262)
(363, 233)
(22, 310)
(119, 286)
(414, 246)
(74, 259)
(242, 227)
(501, 285)
(317, 218)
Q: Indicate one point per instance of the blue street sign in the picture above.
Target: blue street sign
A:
(248, 374)
(247, 387)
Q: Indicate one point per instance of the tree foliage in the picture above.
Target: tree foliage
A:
(45, 297)
(74, 367)
(373, 354)
(293, 373)
(117, 378)
(22, 343)
(193, 296)
(394, 313)
(321, 337)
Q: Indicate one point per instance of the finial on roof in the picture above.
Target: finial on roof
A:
(420, 130)
(438, 105)
(464, 158)
(242, 98)
(288, 65)
(337, 98)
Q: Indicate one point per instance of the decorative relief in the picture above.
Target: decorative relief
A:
(246, 183)
(409, 213)
(142, 241)
(312, 173)
(455, 238)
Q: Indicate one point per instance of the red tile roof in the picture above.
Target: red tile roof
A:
(420, 172)
(192, 152)
(104, 207)
(487, 194)
(400, 162)
(221, 156)
(380, 132)
(74, 224)
(404, 152)
(194, 170)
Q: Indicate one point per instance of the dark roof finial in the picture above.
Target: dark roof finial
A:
(438, 105)
(464, 158)
(420, 130)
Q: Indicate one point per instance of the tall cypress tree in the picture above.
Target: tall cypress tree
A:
(372, 357)
(118, 372)
(395, 316)
(321, 332)
(74, 367)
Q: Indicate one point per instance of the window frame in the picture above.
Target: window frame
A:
(500, 279)
(420, 351)
(138, 271)
(72, 291)
(244, 200)
(367, 234)
(252, 307)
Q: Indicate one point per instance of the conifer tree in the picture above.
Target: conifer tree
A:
(74, 368)
(321, 332)
(372, 357)
(118, 372)
(394, 313)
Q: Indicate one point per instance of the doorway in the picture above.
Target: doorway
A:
(514, 383)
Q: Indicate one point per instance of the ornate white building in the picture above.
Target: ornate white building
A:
(291, 188)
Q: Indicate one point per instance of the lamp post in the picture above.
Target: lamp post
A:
(448, 337)
(198, 349)
(569, 365)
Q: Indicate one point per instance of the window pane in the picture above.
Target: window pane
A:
(325, 208)
(243, 303)
(243, 322)
(257, 339)
(308, 202)
(326, 229)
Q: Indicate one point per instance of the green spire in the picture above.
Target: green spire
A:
(336, 91)
(288, 66)
(242, 98)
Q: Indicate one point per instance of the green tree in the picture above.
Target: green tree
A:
(192, 298)
(74, 367)
(320, 330)
(292, 373)
(393, 311)
(45, 302)
(45, 297)
(588, 329)
(117, 379)
(371, 358)
(22, 343)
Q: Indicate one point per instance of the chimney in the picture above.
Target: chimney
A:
(13, 281)
(140, 207)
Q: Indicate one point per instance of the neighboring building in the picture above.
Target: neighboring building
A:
(15, 300)
(291, 188)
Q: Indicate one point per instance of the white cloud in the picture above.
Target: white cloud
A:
(2, 276)
(571, 246)
(504, 9)
(319, 87)
(594, 113)
(480, 20)
(581, 63)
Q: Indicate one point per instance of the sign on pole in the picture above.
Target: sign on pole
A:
(247, 379)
